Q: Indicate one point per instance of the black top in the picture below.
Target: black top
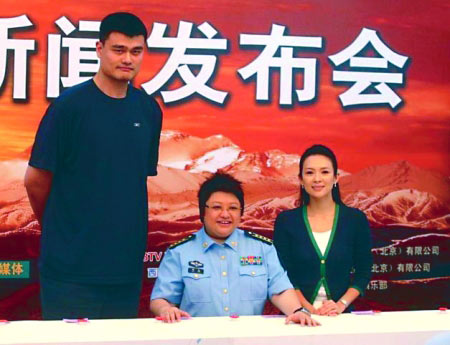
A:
(100, 151)
(349, 249)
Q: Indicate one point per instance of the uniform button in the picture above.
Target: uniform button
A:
(205, 244)
(225, 291)
(196, 276)
(226, 308)
(222, 257)
(253, 273)
(322, 261)
(224, 273)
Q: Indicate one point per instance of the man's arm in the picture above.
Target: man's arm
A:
(38, 183)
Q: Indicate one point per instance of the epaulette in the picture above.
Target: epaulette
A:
(183, 240)
(259, 237)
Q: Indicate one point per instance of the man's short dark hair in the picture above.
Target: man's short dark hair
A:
(219, 182)
(123, 22)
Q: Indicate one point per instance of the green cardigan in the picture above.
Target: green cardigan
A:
(347, 261)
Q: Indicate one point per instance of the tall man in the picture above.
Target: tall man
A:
(86, 182)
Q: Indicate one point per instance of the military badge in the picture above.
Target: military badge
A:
(251, 260)
(196, 264)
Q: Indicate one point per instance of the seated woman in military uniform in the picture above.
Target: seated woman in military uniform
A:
(222, 270)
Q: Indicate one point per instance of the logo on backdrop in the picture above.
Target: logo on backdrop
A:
(152, 272)
(153, 256)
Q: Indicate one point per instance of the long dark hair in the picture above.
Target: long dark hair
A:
(323, 151)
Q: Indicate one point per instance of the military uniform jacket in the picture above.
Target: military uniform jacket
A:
(209, 279)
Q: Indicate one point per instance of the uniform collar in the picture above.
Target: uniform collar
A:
(207, 242)
(233, 240)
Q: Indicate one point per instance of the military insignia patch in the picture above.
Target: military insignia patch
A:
(196, 270)
(251, 261)
(259, 237)
(183, 240)
(196, 264)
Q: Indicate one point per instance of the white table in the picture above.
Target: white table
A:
(416, 327)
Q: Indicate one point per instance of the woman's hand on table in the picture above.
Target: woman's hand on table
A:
(302, 318)
(331, 308)
(173, 314)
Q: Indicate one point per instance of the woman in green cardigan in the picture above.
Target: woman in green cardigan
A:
(324, 245)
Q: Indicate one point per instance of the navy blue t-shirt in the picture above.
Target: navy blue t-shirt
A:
(100, 151)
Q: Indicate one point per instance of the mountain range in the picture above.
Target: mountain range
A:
(395, 194)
